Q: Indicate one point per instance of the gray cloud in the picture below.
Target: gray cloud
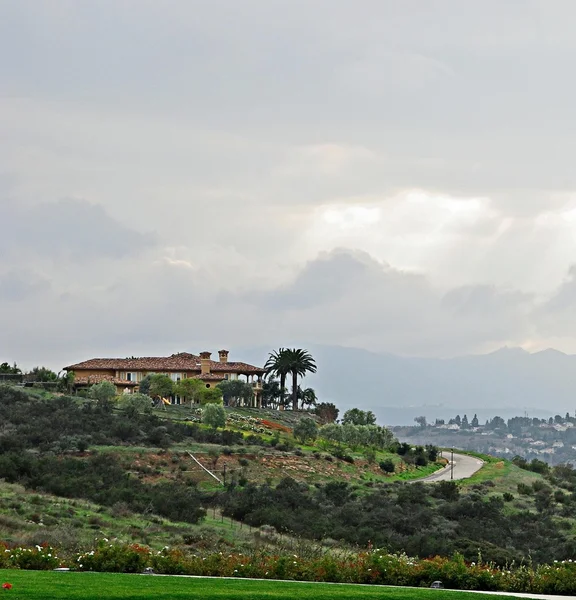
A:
(272, 149)
(68, 229)
(18, 286)
(392, 310)
(485, 300)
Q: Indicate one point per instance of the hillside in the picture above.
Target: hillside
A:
(76, 471)
(133, 475)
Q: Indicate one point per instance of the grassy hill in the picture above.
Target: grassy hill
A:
(259, 449)
(76, 472)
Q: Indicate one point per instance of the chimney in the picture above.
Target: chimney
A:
(205, 363)
(223, 355)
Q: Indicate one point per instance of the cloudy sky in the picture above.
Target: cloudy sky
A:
(395, 175)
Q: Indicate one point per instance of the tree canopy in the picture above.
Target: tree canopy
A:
(190, 390)
(356, 416)
(235, 392)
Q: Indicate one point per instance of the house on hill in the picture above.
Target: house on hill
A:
(127, 373)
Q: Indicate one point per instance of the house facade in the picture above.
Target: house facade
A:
(127, 373)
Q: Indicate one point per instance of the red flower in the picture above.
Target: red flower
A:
(6, 586)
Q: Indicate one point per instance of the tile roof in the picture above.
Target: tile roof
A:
(240, 367)
(182, 361)
(209, 377)
(92, 379)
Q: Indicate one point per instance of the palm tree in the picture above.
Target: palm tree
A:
(301, 362)
(278, 364)
(307, 397)
(296, 361)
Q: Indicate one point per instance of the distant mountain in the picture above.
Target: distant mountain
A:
(508, 382)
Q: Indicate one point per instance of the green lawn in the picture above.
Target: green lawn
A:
(42, 585)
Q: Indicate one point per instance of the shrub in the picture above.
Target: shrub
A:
(421, 460)
(114, 558)
(306, 430)
(38, 558)
(214, 415)
(525, 489)
(387, 466)
(370, 455)
(103, 392)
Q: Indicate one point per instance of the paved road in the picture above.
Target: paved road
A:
(464, 466)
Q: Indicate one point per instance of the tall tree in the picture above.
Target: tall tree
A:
(189, 389)
(271, 392)
(42, 375)
(421, 421)
(236, 392)
(307, 397)
(356, 416)
(327, 411)
(278, 364)
(161, 386)
(211, 396)
(300, 362)
(7, 369)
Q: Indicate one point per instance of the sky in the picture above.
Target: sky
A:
(394, 175)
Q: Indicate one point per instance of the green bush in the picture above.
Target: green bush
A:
(114, 558)
(387, 466)
(525, 489)
(38, 558)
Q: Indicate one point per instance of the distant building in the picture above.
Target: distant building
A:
(129, 372)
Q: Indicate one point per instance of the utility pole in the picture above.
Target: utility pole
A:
(451, 463)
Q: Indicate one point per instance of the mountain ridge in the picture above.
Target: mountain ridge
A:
(512, 380)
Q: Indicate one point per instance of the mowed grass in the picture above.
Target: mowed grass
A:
(42, 585)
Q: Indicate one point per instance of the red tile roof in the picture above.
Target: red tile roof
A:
(99, 377)
(182, 361)
(209, 377)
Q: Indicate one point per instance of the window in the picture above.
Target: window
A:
(131, 376)
(176, 377)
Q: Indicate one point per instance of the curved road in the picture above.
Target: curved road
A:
(464, 466)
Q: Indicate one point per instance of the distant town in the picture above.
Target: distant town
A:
(552, 440)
